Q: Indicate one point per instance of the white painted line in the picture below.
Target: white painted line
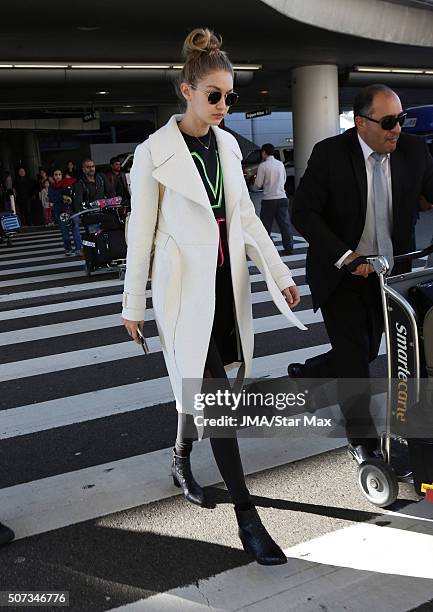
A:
(34, 311)
(61, 412)
(357, 547)
(60, 258)
(306, 584)
(29, 311)
(66, 499)
(56, 291)
(54, 330)
(101, 354)
(43, 231)
(258, 278)
(35, 293)
(279, 237)
(69, 262)
(48, 277)
(126, 398)
(35, 254)
(75, 261)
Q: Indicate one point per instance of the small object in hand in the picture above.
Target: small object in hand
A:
(143, 341)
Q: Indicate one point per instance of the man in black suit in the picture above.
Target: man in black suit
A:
(358, 196)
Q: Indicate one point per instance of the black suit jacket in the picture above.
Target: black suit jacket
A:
(331, 203)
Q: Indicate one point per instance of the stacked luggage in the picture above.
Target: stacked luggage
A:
(104, 233)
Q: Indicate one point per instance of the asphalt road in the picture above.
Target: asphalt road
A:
(86, 427)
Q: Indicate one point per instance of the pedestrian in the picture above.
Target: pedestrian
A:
(271, 177)
(60, 196)
(91, 186)
(45, 201)
(191, 171)
(358, 197)
(117, 180)
(71, 169)
(25, 190)
(7, 188)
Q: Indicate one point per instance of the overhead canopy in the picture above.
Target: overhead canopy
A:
(143, 32)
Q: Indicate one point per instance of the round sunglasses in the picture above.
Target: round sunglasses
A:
(213, 97)
(389, 122)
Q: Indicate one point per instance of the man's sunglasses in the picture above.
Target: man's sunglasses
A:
(214, 97)
(389, 122)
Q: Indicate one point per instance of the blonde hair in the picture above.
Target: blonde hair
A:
(203, 54)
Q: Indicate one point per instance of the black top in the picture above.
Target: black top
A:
(204, 152)
(89, 191)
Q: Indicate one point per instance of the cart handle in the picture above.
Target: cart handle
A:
(414, 254)
(363, 259)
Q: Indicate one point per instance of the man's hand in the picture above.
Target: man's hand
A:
(131, 328)
(291, 295)
(361, 270)
(424, 205)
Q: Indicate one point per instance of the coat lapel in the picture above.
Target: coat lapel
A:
(359, 170)
(174, 166)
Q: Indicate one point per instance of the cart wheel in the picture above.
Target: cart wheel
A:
(378, 482)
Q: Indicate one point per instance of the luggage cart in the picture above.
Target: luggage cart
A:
(104, 234)
(405, 359)
(9, 226)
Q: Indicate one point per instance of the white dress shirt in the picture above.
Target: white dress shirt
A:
(271, 175)
(368, 243)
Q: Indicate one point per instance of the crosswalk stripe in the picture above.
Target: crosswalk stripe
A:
(41, 253)
(262, 324)
(34, 311)
(330, 571)
(56, 291)
(29, 280)
(63, 265)
(88, 286)
(66, 499)
(65, 411)
(102, 354)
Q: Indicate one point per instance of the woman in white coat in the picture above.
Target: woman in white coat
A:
(191, 206)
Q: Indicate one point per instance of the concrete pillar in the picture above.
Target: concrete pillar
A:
(6, 155)
(163, 113)
(315, 110)
(32, 153)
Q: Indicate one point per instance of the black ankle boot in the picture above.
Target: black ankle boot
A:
(256, 540)
(6, 535)
(183, 478)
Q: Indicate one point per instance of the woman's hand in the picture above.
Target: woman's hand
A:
(131, 328)
(291, 295)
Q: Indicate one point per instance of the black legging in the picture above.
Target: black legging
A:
(225, 450)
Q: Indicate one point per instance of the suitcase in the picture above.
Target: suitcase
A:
(104, 247)
(421, 448)
(421, 459)
(421, 299)
(9, 222)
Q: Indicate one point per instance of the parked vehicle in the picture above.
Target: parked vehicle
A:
(284, 154)
(419, 121)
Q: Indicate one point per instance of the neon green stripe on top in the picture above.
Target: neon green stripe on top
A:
(218, 182)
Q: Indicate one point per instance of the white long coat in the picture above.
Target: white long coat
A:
(186, 251)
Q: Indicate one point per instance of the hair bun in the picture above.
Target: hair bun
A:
(201, 40)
